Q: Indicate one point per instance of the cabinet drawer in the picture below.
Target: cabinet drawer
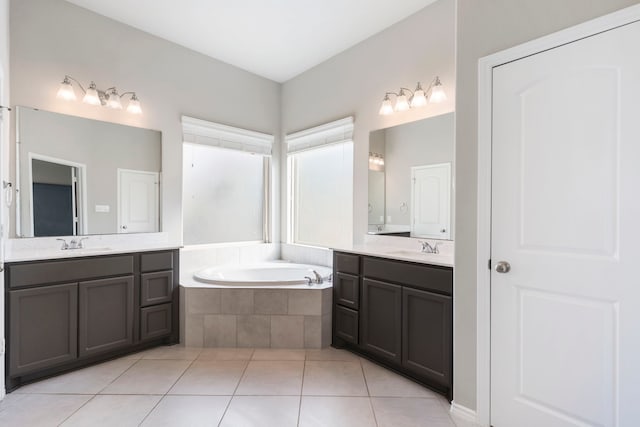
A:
(346, 263)
(37, 273)
(346, 324)
(346, 290)
(155, 322)
(156, 261)
(425, 277)
(156, 288)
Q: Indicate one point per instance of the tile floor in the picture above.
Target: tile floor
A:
(178, 386)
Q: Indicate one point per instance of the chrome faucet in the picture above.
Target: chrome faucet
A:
(428, 249)
(318, 279)
(72, 244)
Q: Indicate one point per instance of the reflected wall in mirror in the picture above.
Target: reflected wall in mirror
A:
(78, 176)
(411, 189)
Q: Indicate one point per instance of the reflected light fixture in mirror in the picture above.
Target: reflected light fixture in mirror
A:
(418, 98)
(94, 96)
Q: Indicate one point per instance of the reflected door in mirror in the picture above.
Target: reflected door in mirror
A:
(137, 201)
(430, 201)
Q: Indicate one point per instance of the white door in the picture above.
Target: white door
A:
(431, 201)
(137, 201)
(565, 321)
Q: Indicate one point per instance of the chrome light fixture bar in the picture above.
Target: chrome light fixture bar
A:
(93, 96)
(417, 98)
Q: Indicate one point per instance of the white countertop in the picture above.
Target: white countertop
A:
(43, 248)
(403, 249)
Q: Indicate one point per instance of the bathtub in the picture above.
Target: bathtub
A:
(267, 274)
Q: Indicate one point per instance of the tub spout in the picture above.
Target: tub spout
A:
(309, 280)
(318, 277)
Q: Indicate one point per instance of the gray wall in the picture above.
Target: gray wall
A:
(51, 38)
(485, 27)
(4, 143)
(424, 142)
(355, 81)
(101, 146)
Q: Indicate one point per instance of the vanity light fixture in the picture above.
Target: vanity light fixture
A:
(94, 96)
(418, 98)
(375, 159)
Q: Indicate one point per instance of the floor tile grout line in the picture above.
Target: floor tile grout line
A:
(74, 412)
(366, 384)
(235, 389)
(170, 387)
(304, 370)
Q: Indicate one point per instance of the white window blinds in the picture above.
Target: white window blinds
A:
(198, 131)
(329, 133)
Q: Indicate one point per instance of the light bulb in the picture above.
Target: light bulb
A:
(419, 98)
(134, 105)
(386, 108)
(92, 97)
(113, 100)
(437, 92)
(66, 91)
(402, 104)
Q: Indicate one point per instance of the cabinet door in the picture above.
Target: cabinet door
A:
(44, 326)
(427, 335)
(346, 290)
(380, 319)
(106, 315)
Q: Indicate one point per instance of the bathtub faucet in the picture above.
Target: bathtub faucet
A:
(318, 277)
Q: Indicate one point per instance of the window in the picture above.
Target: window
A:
(320, 185)
(226, 180)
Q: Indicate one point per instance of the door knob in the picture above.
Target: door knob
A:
(503, 267)
(124, 227)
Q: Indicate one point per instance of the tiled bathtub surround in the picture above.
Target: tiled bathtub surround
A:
(276, 318)
(196, 258)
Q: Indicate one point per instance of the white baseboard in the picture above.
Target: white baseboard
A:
(463, 412)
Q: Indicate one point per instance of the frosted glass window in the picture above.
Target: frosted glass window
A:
(321, 195)
(223, 195)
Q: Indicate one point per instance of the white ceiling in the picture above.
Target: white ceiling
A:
(276, 39)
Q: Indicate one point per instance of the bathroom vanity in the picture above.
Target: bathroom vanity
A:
(71, 312)
(397, 313)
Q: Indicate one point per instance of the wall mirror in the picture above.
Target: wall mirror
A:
(411, 191)
(77, 176)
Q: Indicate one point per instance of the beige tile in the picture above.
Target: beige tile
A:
(109, 411)
(173, 352)
(326, 330)
(262, 411)
(192, 411)
(312, 331)
(331, 353)
(237, 301)
(278, 354)
(210, 377)
(270, 301)
(226, 354)
(84, 381)
(135, 356)
(35, 410)
(194, 330)
(148, 377)
(336, 412)
(220, 330)
(327, 300)
(410, 412)
(287, 331)
(269, 378)
(333, 378)
(203, 300)
(384, 383)
(254, 331)
(307, 302)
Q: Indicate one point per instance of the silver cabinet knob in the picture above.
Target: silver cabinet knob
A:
(503, 267)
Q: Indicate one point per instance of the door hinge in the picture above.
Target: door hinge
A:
(489, 264)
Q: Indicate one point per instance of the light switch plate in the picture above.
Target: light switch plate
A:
(103, 208)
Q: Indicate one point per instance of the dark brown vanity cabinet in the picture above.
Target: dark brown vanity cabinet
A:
(404, 316)
(63, 314)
